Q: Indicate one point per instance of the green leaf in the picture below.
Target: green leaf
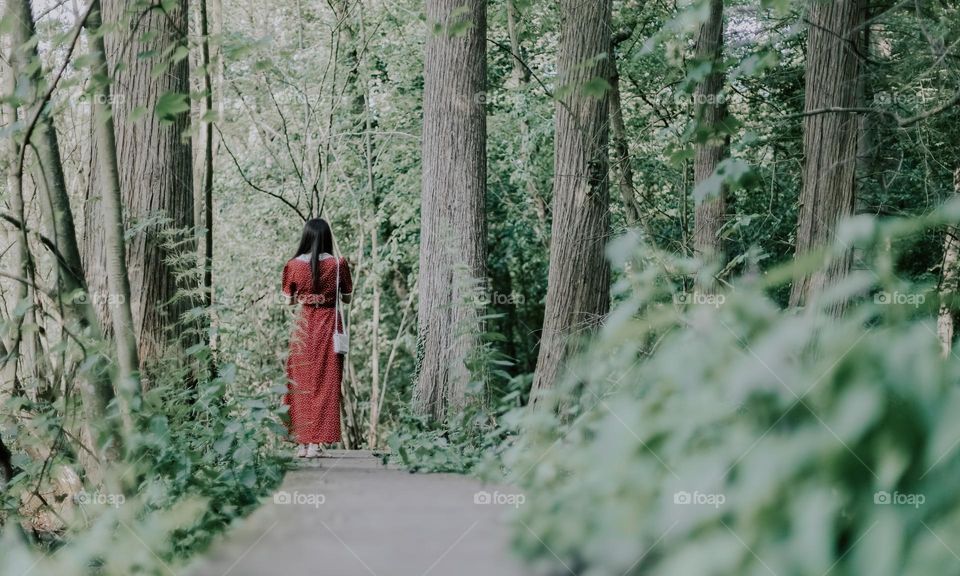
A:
(170, 105)
(596, 87)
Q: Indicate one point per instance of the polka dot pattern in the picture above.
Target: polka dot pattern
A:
(314, 370)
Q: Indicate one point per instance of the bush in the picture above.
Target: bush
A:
(203, 457)
(471, 439)
(721, 435)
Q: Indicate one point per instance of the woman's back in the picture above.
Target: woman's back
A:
(297, 280)
(315, 365)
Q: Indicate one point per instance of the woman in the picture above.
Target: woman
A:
(314, 370)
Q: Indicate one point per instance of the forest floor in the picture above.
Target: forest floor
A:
(347, 514)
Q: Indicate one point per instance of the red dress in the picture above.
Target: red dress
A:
(314, 370)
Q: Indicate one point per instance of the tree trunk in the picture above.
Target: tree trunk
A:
(453, 229)
(111, 219)
(207, 183)
(96, 387)
(712, 144)
(25, 358)
(18, 248)
(830, 140)
(949, 282)
(621, 150)
(578, 284)
(6, 465)
(375, 391)
(520, 75)
(58, 219)
(375, 385)
(154, 157)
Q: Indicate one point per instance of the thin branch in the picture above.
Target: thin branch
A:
(42, 104)
(251, 184)
(519, 60)
(902, 122)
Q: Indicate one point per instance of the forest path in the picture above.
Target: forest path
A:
(346, 514)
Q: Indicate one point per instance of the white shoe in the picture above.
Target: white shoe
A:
(302, 451)
(314, 451)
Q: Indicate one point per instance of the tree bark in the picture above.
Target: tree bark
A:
(621, 150)
(58, 219)
(376, 390)
(949, 282)
(207, 183)
(96, 388)
(712, 145)
(578, 283)
(154, 156)
(6, 465)
(25, 358)
(830, 140)
(453, 228)
(520, 75)
(111, 218)
(19, 248)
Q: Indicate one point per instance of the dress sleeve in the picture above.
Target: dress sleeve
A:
(346, 279)
(289, 286)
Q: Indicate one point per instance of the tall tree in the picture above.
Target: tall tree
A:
(618, 128)
(111, 224)
(520, 77)
(58, 219)
(578, 282)
(205, 198)
(207, 152)
(712, 141)
(949, 281)
(17, 237)
(96, 388)
(6, 465)
(149, 69)
(452, 234)
(835, 40)
(621, 148)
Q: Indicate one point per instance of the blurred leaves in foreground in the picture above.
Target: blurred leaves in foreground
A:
(203, 456)
(717, 434)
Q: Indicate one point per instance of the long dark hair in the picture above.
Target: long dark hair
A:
(317, 239)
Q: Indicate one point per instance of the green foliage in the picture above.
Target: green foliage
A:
(460, 445)
(470, 439)
(220, 441)
(671, 396)
(204, 455)
(725, 436)
(170, 105)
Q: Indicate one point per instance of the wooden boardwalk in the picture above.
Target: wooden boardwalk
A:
(347, 514)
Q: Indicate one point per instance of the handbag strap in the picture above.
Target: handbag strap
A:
(338, 311)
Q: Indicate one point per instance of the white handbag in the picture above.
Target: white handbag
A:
(341, 340)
